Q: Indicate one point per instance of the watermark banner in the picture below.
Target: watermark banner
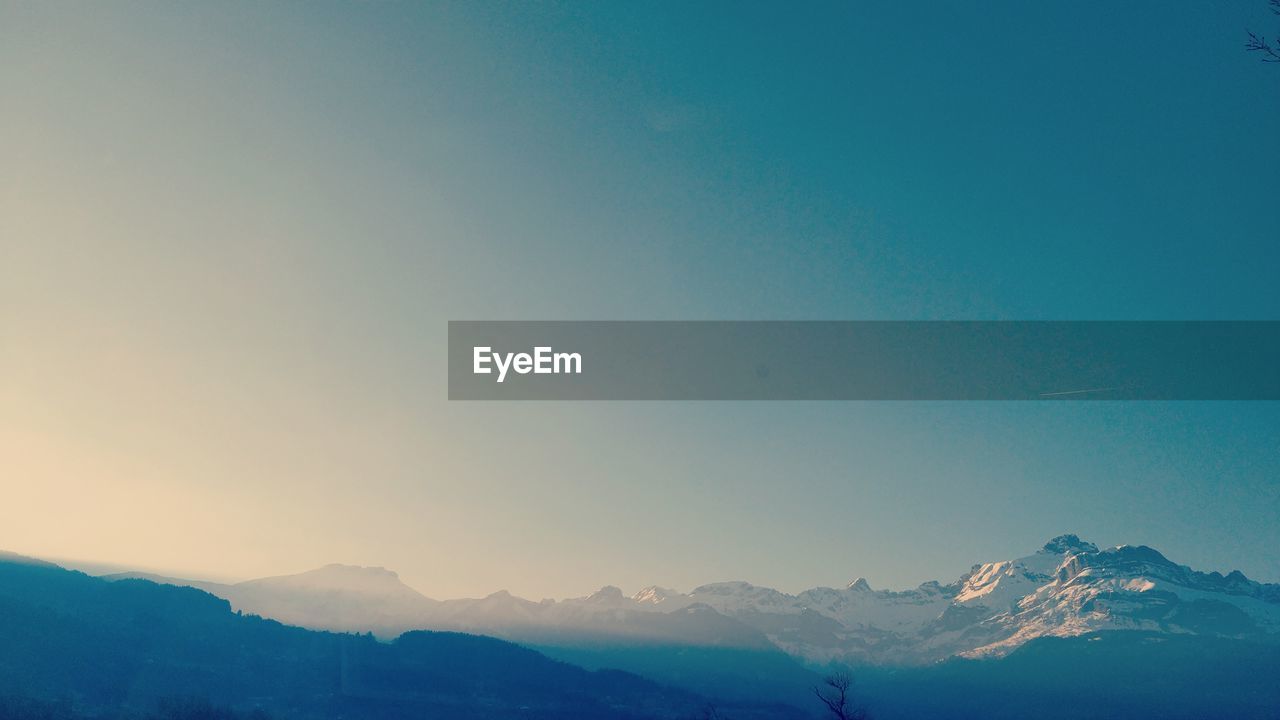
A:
(863, 360)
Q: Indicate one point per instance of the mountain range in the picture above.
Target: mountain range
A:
(76, 646)
(1069, 632)
(1067, 588)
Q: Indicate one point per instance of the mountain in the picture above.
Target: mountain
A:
(1068, 588)
(344, 598)
(73, 647)
(693, 646)
(116, 649)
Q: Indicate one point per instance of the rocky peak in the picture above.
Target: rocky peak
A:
(1068, 544)
(606, 594)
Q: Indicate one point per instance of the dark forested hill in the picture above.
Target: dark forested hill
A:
(121, 648)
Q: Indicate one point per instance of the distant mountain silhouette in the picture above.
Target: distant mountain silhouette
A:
(103, 648)
(346, 598)
(1067, 588)
(693, 646)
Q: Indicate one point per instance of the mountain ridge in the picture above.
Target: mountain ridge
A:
(1068, 587)
(78, 647)
(101, 649)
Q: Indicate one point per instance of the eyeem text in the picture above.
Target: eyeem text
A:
(543, 361)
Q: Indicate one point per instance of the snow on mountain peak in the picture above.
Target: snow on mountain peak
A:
(654, 595)
(1068, 544)
(1067, 588)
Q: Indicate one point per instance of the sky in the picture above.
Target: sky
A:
(232, 234)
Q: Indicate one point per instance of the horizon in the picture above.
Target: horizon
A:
(100, 569)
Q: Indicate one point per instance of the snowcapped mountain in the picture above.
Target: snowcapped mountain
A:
(1068, 588)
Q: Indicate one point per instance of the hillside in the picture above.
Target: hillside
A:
(122, 647)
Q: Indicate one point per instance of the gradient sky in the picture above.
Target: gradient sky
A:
(231, 236)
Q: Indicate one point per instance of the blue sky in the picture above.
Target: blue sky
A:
(232, 237)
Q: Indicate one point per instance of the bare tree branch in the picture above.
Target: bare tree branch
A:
(1258, 43)
(836, 697)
